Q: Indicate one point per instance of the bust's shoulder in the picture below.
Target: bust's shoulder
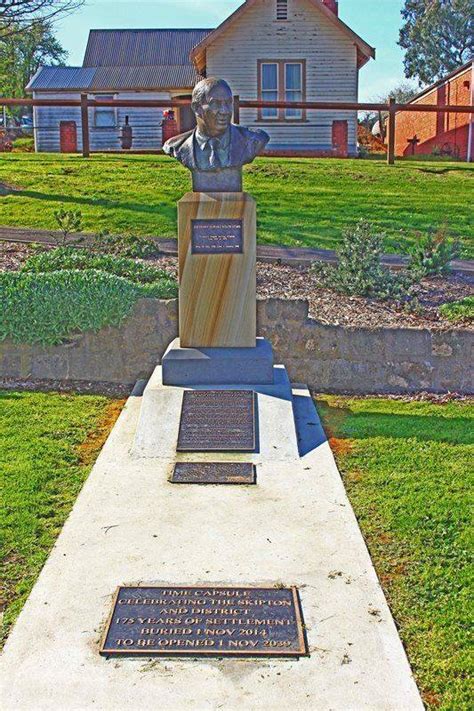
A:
(252, 135)
(173, 144)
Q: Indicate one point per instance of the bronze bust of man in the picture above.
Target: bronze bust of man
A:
(216, 149)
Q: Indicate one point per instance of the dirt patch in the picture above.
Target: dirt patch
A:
(12, 565)
(90, 448)
(13, 255)
(6, 189)
(339, 446)
(67, 386)
(431, 699)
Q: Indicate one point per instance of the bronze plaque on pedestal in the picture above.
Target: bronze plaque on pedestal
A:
(214, 473)
(217, 420)
(217, 236)
(205, 620)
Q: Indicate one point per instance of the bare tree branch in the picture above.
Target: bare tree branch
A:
(20, 15)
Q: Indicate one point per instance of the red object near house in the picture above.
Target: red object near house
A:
(68, 136)
(169, 126)
(340, 138)
(5, 143)
(448, 134)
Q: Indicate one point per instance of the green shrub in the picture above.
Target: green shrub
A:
(457, 311)
(432, 254)
(47, 308)
(359, 271)
(69, 222)
(67, 258)
(126, 245)
(23, 145)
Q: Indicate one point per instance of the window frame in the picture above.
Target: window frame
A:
(300, 91)
(105, 110)
(280, 116)
(263, 91)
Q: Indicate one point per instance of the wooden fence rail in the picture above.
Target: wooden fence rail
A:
(392, 108)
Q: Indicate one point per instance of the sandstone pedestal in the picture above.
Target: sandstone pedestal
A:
(217, 279)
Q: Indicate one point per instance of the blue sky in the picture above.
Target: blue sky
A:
(377, 21)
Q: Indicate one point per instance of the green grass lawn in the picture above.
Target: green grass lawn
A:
(301, 202)
(48, 443)
(407, 467)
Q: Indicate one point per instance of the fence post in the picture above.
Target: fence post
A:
(237, 109)
(85, 126)
(391, 131)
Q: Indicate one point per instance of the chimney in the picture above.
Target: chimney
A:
(332, 5)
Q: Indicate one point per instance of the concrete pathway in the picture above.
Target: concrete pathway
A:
(130, 525)
(293, 256)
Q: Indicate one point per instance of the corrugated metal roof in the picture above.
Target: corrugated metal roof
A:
(140, 48)
(50, 78)
(113, 78)
(151, 77)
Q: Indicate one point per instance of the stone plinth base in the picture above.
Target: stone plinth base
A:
(218, 366)
(160, 417)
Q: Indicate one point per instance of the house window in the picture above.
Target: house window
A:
(282, 9)
(105, 116)
(269, 87)
(293, 87)
(281, 80)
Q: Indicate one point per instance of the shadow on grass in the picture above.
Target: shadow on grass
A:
(346, 424)
(159, 208)
(443, 171)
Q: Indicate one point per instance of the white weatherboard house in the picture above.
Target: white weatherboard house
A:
(268, 49)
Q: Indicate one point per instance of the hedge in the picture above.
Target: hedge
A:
(47, 308)
(68, 258)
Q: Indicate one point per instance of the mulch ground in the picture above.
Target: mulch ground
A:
(325, 305)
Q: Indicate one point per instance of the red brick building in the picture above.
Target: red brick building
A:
(449, 133)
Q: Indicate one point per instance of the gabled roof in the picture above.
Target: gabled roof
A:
(198, 53)
(141, 48)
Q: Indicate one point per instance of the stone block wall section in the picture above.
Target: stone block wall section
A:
(328, 358)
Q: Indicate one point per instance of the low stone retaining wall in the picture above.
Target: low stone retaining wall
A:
(327, 358)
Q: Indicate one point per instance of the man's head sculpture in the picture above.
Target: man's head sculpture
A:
(216, 149)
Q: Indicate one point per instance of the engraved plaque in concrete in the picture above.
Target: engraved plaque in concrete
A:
(217, 236)
(214, 473)
(205, 620)
(217, 420)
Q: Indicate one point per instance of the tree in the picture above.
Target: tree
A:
(23, 52)
(402, 93)
(20, 15)
(438, 36)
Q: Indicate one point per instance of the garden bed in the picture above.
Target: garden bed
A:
(325, 305)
